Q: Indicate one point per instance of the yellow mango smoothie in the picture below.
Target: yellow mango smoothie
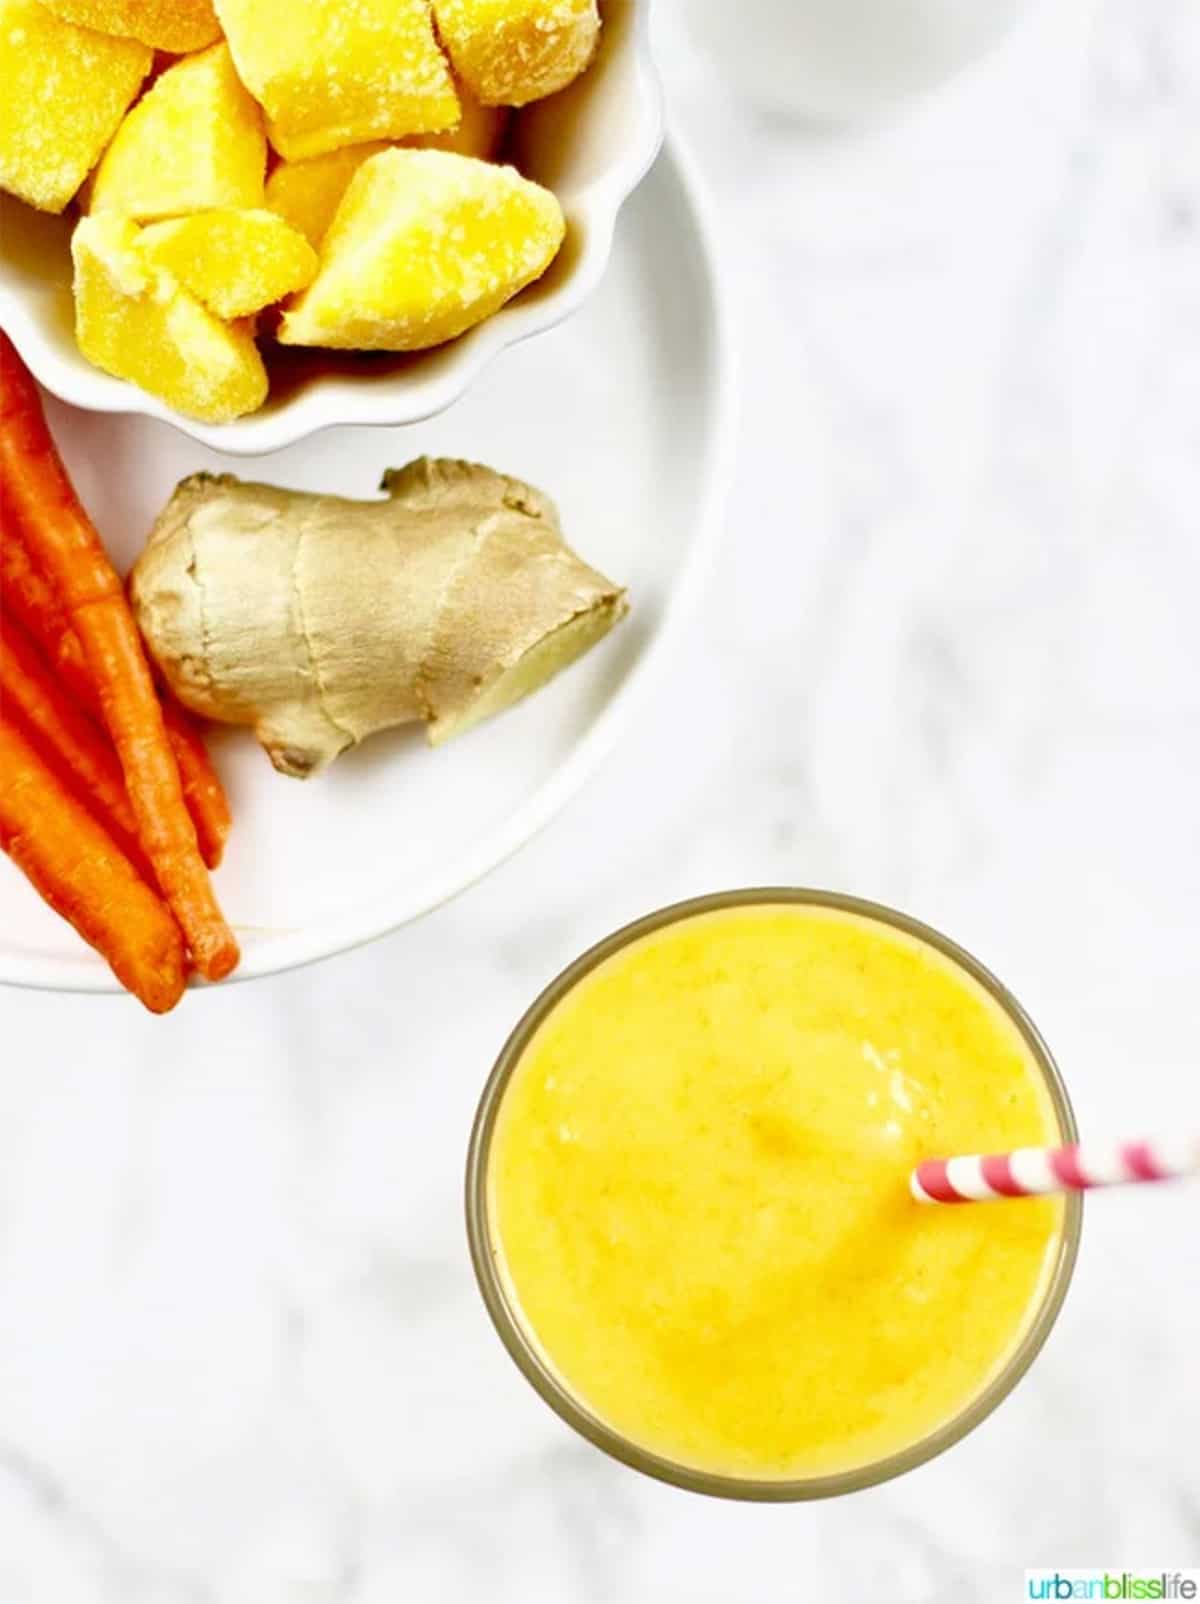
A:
(693, 1220)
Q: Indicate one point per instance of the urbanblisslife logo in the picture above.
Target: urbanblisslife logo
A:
(1106, 1584)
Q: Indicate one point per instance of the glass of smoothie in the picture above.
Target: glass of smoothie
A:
(688, 1195)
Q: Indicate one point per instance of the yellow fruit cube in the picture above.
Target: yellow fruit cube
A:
(63, 90)
(174, 25)
(235, 262)
(307, 194)
(331, 73)
(195, 140)
(424, 245)
(509, 52)
(133, 320)
(480, 131)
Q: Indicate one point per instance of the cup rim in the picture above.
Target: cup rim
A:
(521, 1347)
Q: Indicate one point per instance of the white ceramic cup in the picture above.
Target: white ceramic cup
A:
(845, 60)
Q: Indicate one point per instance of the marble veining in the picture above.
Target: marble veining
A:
(950, 660)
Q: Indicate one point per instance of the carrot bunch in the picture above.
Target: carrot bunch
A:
(108, 801)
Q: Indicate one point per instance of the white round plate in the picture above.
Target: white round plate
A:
(623, 416)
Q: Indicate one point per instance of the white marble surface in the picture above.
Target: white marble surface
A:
(950, 660)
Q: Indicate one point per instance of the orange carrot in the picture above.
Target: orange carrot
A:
(202, 790)
(134, 718)
(27, 594)
(65, 546)
(74, 864)
(66, 738)
(24, 590)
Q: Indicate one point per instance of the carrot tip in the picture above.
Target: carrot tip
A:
(217, 959)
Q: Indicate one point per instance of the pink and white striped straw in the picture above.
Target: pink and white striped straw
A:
(1037, 1171)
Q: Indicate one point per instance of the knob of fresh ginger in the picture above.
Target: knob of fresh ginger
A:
(318, 620)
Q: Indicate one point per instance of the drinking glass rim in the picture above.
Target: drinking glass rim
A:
(553, 1391)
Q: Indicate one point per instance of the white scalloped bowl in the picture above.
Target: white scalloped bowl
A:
(591, 145)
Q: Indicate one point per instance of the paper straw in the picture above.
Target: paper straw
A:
(1038, 1171)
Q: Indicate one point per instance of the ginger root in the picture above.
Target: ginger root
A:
(318, 620)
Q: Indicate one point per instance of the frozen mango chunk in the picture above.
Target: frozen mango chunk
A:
(338, 72)
(509, 52)
(235, 262)
(135, 321)
(480, 130)
(424, 245)
(174, 25)
(195, 140)
(63, 90)
(307, 194)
